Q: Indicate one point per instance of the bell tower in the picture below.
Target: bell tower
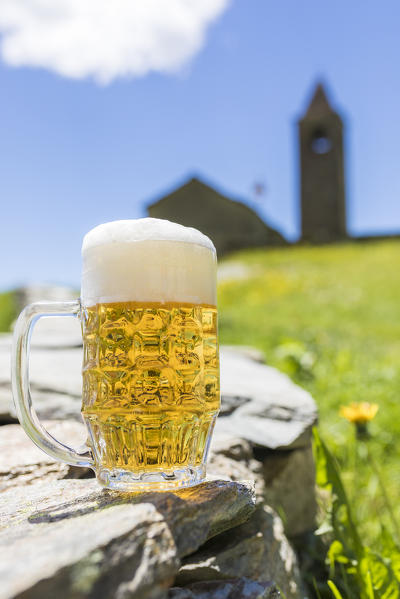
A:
(323, 204)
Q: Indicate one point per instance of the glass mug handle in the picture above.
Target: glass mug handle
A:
(20, 382)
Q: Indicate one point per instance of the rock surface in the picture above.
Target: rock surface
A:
(55, 380)
(257, 549)
(260, 407)
(21, 462)
(259, 403)
(57, 370)
(269, 409)
(52, 332)
(284, 480)
(290, 488)
(73, 539)
(235, 588)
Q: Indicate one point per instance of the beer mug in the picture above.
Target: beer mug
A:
(150, 389)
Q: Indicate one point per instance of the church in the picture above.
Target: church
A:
(233, 225)
(323, 202)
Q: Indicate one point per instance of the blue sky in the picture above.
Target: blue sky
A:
(75, 153)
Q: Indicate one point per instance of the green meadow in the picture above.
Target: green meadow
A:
(8, 310)
(330, 318)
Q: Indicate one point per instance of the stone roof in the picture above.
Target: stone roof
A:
(319, 106)
(231, 224)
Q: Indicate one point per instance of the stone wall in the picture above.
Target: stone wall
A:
(64, 536)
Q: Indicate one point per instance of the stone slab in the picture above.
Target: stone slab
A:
(259, 403)
(70, 538)
(49, 370)
(49, 405)
(289, 478)
(270, 410)
(283, 479)
(22, 463)
(235, 588)
(258, 550)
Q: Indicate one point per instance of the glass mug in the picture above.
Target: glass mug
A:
(150, 392)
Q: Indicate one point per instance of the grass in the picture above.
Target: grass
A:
(8, 310)
(330, 317)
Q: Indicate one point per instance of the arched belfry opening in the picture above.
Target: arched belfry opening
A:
(323, 204)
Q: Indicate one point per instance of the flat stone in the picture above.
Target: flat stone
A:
(270, 410)
(283, 479)
(49, 332)
(234, 588)
(258, 550)
(56, 370)
(7, 411)
(49, 405)
(57, 332)
(74, 539)
(290, 488)
(5, 358)
(49, 369)
(259, 403)
(22, 463)
(55, 382)
(232, 447)
(246, 351)
(232, 459)
(5, 341)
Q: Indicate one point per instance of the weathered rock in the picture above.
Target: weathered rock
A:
(56, 370)
(247, 351)
(57, 332)
(55, 380)
(290, 488)
(21, 462)
(232, 458)
(258, 550)
(235, 448)
(259, 403)
(234, 588)
(7, 412)
(269, 410)
(73, 539)
(5, 358)
(49, 405)
(52, 332)
(285, 480)
(5, 341)
(261, 409)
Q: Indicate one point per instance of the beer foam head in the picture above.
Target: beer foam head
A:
(149, 260)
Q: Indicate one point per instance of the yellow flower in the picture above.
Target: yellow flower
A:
(359, 412)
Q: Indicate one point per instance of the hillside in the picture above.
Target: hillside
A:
(330, 317)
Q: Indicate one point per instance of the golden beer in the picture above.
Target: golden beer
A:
(150, 375)
(150, 383)
(150, 366)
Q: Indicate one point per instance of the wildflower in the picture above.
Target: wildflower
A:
(359, 413)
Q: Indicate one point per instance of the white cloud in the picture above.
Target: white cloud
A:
(105, 39)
